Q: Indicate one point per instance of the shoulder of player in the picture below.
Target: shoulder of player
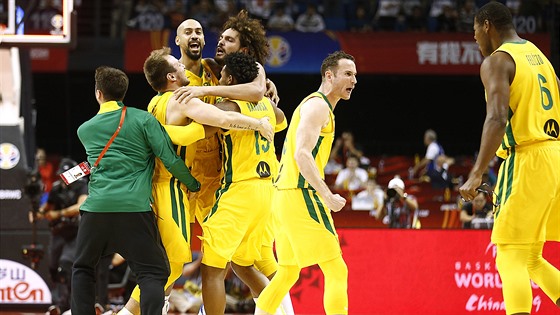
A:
(214, 66)
(228, 105)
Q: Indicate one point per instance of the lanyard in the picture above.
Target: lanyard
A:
(112, 138)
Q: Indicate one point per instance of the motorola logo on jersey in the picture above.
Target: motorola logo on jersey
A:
(552, 128)
(263, 169)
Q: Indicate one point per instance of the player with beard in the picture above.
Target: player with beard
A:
(242, 34)
(165, 74)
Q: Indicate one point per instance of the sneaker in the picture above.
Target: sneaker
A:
(201, 311)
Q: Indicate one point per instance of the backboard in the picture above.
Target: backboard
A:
(37, 23)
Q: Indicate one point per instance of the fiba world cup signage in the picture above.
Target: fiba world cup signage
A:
(20, 284)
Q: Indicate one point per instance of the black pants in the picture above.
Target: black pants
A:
(133, 235)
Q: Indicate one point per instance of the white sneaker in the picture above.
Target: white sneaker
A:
(201, 311)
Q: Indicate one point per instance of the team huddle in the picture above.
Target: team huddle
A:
(204, 151)
(216, 163)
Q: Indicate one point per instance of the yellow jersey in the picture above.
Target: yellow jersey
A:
(534, 104)
(205, 78)
(289, 176)
(158, 108)
(245, 153)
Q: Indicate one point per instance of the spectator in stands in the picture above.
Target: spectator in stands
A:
(433, 150)
(372, 198)
(147, 15)
(448, 20)
(259, 9)
(439, 175)
(513, 6)
(280, 20)
(479, 207)
(120, 14)
(310, 21)
(400, 207)
(345, 146)
(436, 9)
(293, 8)
(46, 169)
(387, 14)
(360, 20)
(205, 13)
(466, 16)
(408, 6)
(226, 9)
(417, 21)
(352, 177)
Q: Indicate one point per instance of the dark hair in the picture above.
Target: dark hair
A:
(251, 35)
(331, 62)
(156, 68)
(497, 14)
(113, 83)
(242, 67)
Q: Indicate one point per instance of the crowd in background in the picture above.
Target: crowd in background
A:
(320, 15)
(291, 15)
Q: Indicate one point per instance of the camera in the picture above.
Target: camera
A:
(33, 189)
(392, 194)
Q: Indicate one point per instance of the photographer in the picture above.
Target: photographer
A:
(399, 205)
(479, 208)
(62, 212)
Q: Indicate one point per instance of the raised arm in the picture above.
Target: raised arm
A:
(211, 115)
(253, 91)
(314, 115)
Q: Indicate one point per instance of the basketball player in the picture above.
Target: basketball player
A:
(522, 127)
(302, 203)
(233, 230)
(203, 76)
(165, 74)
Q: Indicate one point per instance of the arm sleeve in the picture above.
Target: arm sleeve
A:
(185, 135)
(163, 149)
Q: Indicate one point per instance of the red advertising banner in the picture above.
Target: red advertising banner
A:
(48, 59)
(399, 272)
(420, 53)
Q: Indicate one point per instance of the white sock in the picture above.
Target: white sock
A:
(165, 308)
(286, 305)
(124, 311)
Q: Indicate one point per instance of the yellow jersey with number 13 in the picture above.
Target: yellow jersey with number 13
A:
(245, 153)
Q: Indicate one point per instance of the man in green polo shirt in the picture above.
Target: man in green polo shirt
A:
(116, 216)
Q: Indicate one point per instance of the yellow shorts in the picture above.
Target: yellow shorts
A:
(528, 190)
(233, 231)
(207, 169)
(171, 207)
(305, 233)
